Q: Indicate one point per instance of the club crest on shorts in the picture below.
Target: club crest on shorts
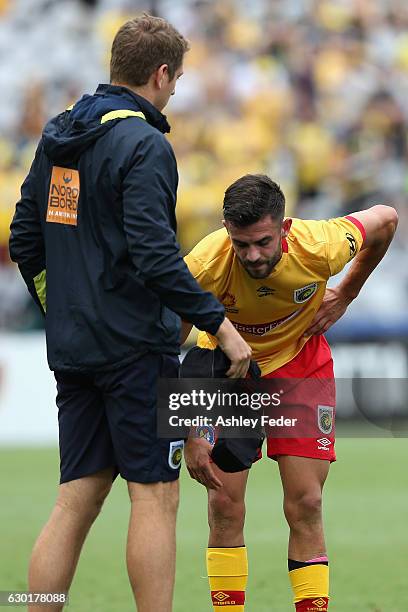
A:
(207, 432)
(176, 454)
(304, 293)
(325, 419)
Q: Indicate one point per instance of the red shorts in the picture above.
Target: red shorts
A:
(313, 362)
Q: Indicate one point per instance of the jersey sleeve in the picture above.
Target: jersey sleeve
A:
(344, 237)
(198, 270)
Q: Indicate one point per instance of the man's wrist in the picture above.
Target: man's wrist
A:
(206, 432)
(220, 331)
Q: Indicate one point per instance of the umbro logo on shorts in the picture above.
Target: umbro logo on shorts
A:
(324, 444)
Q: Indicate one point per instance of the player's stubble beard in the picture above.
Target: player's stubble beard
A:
(263, 267)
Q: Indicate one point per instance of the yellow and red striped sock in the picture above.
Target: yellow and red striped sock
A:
(310, 584)
(227, 570)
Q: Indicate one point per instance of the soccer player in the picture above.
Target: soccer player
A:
(271, 273)
(94, 237)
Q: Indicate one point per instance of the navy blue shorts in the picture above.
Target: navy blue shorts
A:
(109, 420)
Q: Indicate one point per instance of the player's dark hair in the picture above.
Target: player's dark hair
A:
(252, 197)
(141, 46)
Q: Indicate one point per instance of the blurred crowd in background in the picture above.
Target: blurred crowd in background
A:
(313, 93)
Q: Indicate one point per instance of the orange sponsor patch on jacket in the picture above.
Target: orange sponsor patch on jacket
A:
(63, 196)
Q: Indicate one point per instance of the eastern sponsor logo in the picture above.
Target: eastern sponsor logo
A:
(229, 301)
(207, 432)
(352, 244)
(264, 291)
(63, 196)
(176, 454)
(324, 444)
(304, 293)
(325, 418)
(261, 329)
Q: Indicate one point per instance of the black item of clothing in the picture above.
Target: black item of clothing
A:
(229, 454)
(109, 420)
(116, 284)
(207, 363)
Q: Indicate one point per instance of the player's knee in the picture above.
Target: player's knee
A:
(225, 513)
(304, 508)
(159, 495)
(171, 496)
(84, 498)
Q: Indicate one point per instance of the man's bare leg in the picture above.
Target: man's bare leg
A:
(57, 549)
(227, 564)
(151, 546)
(226, 509)
(303, 479)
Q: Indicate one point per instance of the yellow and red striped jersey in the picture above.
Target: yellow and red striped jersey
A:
(273, 313)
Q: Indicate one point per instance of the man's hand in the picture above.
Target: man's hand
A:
(236, 349)
(197, 452)
(332, 308)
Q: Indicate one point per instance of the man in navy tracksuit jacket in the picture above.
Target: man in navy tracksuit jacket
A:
(94, 238)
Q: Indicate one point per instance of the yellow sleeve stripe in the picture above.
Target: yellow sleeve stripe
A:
(40, 284)
(121, 114)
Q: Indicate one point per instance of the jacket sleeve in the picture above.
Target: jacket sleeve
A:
(26, 244)
(149, 194)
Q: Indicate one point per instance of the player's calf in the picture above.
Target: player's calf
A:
(56, 552)
(227, 563)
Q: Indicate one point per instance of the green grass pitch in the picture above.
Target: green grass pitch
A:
(366, 517)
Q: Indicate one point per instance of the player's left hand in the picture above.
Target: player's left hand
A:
(197, 453)
(333, 307)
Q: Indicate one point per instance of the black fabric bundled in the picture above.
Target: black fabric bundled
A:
(229, 454)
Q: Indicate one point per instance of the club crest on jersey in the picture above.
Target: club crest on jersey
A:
(176, 454)
(304, 293)
(325, 419)
(264, 291)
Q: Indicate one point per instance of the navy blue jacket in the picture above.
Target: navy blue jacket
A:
(94, 236)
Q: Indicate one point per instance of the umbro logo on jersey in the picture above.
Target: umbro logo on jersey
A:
(264, 291)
